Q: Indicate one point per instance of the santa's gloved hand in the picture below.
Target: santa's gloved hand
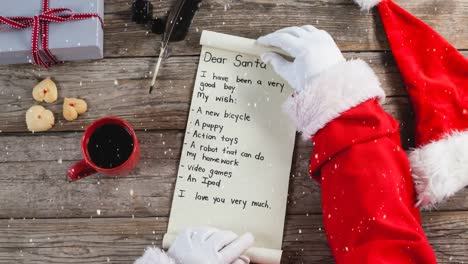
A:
(210, 246)
(313, 51)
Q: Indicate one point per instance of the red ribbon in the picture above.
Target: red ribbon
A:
(40, 27)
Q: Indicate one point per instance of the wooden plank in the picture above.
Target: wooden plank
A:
(40, 189)
(119, 87)
(353, 29)
(33, 181)
(122, 240)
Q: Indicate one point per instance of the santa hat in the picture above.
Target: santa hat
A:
(436, 78)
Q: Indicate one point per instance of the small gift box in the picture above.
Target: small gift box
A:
(46, 32)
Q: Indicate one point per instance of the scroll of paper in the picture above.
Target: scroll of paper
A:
(237, 153)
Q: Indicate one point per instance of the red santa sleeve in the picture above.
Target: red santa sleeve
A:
(368, 198)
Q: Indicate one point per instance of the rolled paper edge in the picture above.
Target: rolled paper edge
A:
(255, 254)
(264, 255)
(236, 44)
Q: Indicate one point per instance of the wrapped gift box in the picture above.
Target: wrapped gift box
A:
(68, 41)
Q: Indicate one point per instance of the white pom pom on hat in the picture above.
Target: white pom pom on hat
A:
(367, 4)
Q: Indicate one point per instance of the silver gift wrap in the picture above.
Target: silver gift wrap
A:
(68, 41)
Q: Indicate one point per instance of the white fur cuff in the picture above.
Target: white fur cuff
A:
(155, 256)
(440, 168)
(367, 4)
(335, 91)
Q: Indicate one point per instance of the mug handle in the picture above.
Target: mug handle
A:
(80, 170)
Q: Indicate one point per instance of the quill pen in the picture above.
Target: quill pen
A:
(177, 25)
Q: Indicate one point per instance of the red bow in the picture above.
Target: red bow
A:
(40, 26)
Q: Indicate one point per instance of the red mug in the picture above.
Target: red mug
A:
(87, 166)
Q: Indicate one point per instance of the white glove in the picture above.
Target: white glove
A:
(210, 246)
(313, 51)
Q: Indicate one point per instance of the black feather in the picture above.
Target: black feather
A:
(179, 20)
(177, 25)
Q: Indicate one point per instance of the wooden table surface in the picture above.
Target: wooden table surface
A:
(45, 219)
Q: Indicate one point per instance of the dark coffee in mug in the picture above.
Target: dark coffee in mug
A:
(110, 146)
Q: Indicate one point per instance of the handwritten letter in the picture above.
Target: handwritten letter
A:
(236, 158)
